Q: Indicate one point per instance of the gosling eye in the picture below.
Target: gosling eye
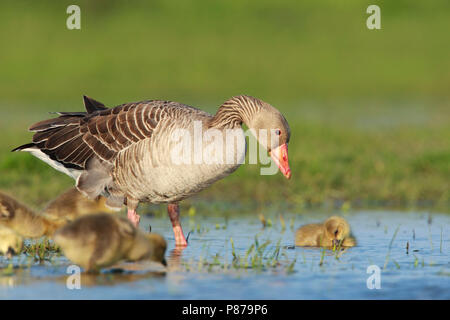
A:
(278, 132)
(336, 233)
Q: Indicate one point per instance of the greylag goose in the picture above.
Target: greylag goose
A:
(66, 207)
(100, 240)
(126, 153)
(335, 231)
(10, 241)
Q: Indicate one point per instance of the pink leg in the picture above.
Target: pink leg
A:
(132, 215)
(174, 214)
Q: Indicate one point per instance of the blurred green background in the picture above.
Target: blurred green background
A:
(369, 109)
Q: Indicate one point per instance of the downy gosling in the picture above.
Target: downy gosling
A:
(18, 217)
(72, 204)
(101, 240)
(333, 232)
(65, 208)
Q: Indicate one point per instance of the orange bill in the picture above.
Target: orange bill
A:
(280, 157)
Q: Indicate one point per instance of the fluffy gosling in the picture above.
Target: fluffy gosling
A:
(18, 217)
(73, 204)
(65, 208)
(101, 240)
(333, 232)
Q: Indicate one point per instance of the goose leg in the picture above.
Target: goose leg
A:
(132, 215)
(173, 210)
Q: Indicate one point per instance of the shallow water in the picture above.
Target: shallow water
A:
(205, 270)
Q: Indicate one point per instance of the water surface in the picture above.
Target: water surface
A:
(205, 269)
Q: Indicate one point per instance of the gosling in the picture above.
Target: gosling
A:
(100, 240)
(65, 208)
(10, 242)
(334, 232)
(18, 217)
(73, 204)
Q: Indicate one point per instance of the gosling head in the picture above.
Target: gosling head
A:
(148, 246)
(159, 248)
(7, 208)
(336, 230)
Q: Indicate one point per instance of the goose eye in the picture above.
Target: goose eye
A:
(277, 132)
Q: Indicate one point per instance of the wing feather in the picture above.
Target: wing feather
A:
(73, 138)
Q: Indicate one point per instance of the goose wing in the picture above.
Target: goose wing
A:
(69, 141)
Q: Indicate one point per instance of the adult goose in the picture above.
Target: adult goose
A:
(129, 153)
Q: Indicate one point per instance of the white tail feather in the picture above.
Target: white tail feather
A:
(74, 173)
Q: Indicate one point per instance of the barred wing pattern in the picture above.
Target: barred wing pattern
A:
(73, 139)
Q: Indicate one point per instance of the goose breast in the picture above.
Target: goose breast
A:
(181, 157)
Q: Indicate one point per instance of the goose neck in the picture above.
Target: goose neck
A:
(235, 111)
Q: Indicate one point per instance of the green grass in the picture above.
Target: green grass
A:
(259, 257)
(369, 110)
(42, 250)
(389, 248)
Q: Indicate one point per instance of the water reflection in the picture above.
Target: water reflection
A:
(114, 278)
(14, 275)
(174, 259)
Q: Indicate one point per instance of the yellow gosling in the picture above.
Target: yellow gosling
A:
(335, 231)
(65, 208)
(101, 240)
(73, 204)
(18, 217)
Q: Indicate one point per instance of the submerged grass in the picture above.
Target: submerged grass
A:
(42, 250)
(259, 257)
(390, 247)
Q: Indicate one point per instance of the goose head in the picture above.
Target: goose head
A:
(266, 123)
(272, 132)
